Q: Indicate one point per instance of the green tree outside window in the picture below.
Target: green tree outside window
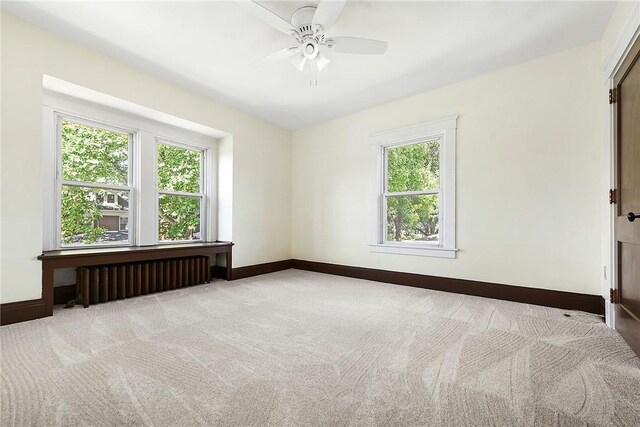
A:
(179, 170)
(414, 168)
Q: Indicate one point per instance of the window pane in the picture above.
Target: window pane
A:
(178, 169)
(92, 154)
(179, 217)
(88, 219)
(412, 218)
(414, 167)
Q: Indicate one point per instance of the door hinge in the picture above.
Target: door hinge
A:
(613, 296)
(613, 95)
(613, 196)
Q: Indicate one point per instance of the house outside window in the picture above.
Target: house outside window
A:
(416, 190)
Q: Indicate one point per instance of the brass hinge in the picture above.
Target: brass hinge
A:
(613, 296)
(613, 95)
(613, 196)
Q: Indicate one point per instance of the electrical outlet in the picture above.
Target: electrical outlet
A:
(604, 270)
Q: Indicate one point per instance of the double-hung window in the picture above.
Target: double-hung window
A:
(411, 196)
(94, 182)
(416, 196)
(180, 192)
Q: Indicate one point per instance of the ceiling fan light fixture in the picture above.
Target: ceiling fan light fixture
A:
(323, 61)
(298, 61)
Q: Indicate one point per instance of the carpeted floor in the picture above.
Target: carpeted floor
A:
(300, 348)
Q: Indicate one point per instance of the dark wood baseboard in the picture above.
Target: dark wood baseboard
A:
(63, 294)
(558, 299)
(33, 309)
(253, 270)
(21, 311)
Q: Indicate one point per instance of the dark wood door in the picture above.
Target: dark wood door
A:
(627, 226)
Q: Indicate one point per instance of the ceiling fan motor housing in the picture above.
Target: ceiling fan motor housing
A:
(302, 20)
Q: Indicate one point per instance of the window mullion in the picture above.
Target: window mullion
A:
(145, 178)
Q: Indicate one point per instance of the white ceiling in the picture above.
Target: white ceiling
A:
(214, 47)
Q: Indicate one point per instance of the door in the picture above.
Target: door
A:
(627, 208)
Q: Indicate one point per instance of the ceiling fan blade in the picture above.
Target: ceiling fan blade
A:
(279, 54)
(267, 16)
(327, 12)
(358, 45)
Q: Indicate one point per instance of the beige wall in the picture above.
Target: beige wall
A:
(261, 151)
(532, 147)
(528, 177)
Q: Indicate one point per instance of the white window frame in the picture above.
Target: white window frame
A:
(443, 130)
(60, 182)
(202, 194)
(142, 169)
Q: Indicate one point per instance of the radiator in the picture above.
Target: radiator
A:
(102, 283)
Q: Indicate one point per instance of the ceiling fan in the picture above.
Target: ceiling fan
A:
(308, 25)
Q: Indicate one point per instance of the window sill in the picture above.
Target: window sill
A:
(123, 250)
(430, 251)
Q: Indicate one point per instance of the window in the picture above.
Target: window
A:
(416, 197)
(180, 197)
(94, 168)
(119, 179)
(412, 189)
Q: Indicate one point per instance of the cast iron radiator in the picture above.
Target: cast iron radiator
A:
(102, 283)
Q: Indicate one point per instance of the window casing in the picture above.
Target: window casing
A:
(137, 223)
(416, 190)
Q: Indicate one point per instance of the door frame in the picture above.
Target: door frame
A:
(629, 34)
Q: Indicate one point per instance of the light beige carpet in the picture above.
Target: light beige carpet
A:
(300, 348)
